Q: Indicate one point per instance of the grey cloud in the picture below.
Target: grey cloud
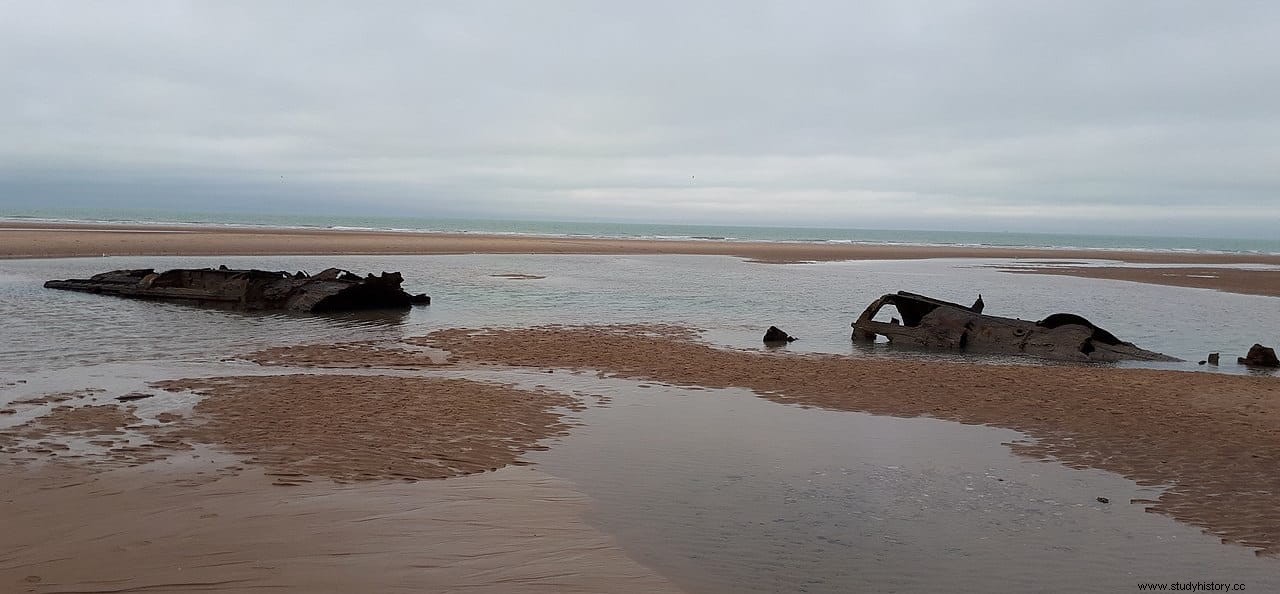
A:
(1023, 115)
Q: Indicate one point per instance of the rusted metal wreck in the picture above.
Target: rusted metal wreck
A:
(331, 290)
(933, 323)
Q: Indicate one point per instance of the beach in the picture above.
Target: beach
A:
(546, 426)
(523, 298)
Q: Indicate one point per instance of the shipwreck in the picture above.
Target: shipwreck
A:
(933, 323)
(257, 290)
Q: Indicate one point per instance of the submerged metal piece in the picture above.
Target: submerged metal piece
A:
(331, 290)
(933, 323)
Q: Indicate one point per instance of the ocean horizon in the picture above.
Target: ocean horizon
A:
(657, 231)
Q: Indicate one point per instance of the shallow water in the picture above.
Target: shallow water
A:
(724, 492)
(717, 489)
(732, 299)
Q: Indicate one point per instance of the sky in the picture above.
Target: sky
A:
(1146, 117)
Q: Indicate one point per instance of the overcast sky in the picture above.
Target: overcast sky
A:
(1157, 117)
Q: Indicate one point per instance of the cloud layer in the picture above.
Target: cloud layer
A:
(1147, 117)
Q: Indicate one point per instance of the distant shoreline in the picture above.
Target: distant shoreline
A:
(69, 240)
(683, 232)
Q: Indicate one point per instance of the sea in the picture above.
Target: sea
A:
(656, 231)
(719, 490)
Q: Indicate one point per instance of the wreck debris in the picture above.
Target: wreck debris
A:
(1214, 358)
(331, 290)
(1259, 356)
(775, 336)
(933, 323)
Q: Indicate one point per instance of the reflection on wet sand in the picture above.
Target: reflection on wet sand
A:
(726, 492)
(185, 525)
(314, 484)
(1211, 437)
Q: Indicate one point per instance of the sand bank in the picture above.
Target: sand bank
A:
(369, 427)
(1214, 439)
(1231, 280)
(338, 427)
(37, 240)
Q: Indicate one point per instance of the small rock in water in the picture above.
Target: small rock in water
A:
(1103, 500)
(1213, 358)
(773, 334)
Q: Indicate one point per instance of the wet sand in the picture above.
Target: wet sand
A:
(182, 527)
(1214, 439)
(352, 428)
(313, 483)
(1231, 280)
(338, 427)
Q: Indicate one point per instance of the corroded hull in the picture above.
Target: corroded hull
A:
(933, 323)
(331, 290)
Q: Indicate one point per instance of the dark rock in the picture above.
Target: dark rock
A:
(1213, 358)
(774, 335)
(978, 305)
(420, 299)
(1103, 500)
(133, 396)
(1260, 356)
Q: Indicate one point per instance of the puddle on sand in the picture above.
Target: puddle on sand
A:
(723, 491)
